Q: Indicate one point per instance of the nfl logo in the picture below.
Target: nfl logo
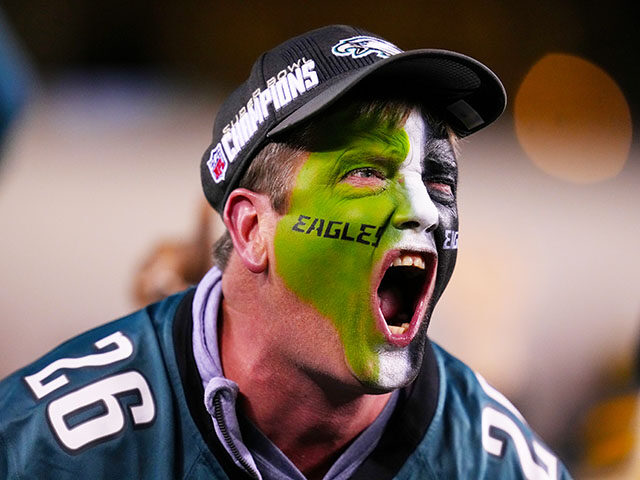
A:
(217, 164)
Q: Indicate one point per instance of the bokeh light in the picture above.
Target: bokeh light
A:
(573, 120)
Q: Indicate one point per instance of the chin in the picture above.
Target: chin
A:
(398, 367)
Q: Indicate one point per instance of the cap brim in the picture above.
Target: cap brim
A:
(463, 91)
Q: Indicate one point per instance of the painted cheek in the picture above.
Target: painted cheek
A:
(335, 275)
(334, 272)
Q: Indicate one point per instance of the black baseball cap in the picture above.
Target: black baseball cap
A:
(306, 74)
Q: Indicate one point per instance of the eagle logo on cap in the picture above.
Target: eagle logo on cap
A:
(362, 45)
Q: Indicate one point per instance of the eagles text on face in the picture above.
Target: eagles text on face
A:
(363, 233)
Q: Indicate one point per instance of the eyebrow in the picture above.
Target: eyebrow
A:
(392, 153)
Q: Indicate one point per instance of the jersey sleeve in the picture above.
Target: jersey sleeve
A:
(508, 438)
(101, 402)
(479, 433)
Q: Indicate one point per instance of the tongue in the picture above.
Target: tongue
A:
(389, 303)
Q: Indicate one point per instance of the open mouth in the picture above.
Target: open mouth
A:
(403, 294)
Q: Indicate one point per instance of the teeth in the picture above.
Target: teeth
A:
(409, 261)
(399, 330)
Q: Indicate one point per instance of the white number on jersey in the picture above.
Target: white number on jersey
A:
(102, 426)
(493, 418)
(124, 349)
(104, 393)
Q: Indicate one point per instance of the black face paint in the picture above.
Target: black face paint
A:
(441, 167)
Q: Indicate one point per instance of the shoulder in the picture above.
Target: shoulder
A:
(477, 429)
(95, 402)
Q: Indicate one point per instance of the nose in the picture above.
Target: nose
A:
(416, 210)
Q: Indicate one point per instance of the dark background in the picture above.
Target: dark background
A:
(204, 41)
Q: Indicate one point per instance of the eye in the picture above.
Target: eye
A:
(365, 177)
(440, 187)
(440, 176)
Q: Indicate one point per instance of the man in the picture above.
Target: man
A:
(304, 354)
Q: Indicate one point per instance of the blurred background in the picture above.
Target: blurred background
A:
(108, 106)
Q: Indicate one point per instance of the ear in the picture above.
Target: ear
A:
(242, 215)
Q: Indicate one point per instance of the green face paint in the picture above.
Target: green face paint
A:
(331, 241)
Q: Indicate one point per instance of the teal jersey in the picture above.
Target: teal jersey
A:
(124, 401)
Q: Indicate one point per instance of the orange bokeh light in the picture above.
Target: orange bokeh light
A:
(573, 120)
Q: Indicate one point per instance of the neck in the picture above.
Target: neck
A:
(311, 416)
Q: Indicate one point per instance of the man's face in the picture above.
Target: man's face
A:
(358, 241)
